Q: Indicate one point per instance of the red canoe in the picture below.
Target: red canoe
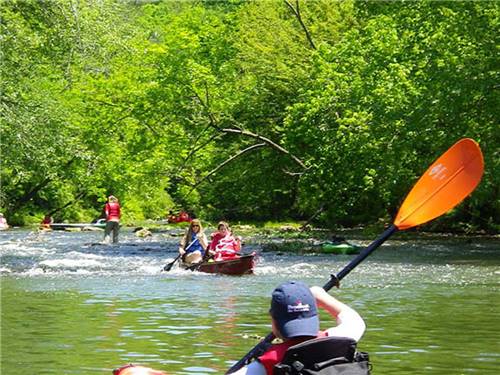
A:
(239, 266)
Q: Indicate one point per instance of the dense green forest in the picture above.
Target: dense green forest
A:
(244, 110)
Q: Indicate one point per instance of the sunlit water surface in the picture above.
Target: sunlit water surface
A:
(72, 306)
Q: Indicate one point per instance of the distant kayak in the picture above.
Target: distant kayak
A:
(340, 248)
(242, 265)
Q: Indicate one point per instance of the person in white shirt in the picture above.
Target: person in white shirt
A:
(295, 319)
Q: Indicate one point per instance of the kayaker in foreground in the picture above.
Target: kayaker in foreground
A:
(295, 319)
(193, 244)
(224, 245)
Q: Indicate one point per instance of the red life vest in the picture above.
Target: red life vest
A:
(276, 353)
(112, 210)
(227, 242)
(47, 220)
(226, 247)
(183, 217)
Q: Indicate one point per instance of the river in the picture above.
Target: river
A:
(71, 306)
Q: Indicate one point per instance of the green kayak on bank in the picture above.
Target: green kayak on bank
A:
(344, 248)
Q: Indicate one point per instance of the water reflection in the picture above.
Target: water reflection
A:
(70, 306)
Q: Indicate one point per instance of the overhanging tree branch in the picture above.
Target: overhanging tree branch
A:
(248, 149)
(296, 11)
(314, 215)
(76, 199)
(267, 141)
(232, 158)
(34, 190)
(193, 151)
(214, 124)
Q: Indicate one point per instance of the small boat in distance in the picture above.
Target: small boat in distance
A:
(340, 248)
(242, 265)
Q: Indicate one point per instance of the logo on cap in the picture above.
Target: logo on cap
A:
(299, 307)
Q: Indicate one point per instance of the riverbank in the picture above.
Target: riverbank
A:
(294, 234)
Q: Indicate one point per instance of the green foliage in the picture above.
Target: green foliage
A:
(130, 99)
(381, 100)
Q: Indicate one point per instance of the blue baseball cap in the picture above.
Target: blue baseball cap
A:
(294, 310)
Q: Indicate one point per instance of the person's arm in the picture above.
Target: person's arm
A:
(349, 322)
(202, 238)
(237, 243)
(182, 245)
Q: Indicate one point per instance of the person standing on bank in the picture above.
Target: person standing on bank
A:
(295, 319)
(193, 244)
(113, 214)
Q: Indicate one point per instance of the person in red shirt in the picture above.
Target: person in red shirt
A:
(47, 220)
(183, 217)
(113, 214)
(224, 245)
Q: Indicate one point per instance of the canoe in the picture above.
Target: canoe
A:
(242, 265)
(340, 248)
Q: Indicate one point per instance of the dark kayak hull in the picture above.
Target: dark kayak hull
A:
(243, 265)
(65, 226)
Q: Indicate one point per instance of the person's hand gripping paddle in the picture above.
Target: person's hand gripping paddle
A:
(451, 178)
(169, 266)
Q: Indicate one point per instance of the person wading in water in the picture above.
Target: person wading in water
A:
(113, 214)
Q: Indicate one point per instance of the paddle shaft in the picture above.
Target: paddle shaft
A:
(169, 266)
(451, 178)
(334, 281)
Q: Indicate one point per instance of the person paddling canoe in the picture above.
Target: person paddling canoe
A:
(193, 244)
(46, 222)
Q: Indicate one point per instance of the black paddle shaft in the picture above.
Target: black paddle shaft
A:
(168, 267)
(335, 279)
(261, 347)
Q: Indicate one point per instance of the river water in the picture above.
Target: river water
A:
(71, 306)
